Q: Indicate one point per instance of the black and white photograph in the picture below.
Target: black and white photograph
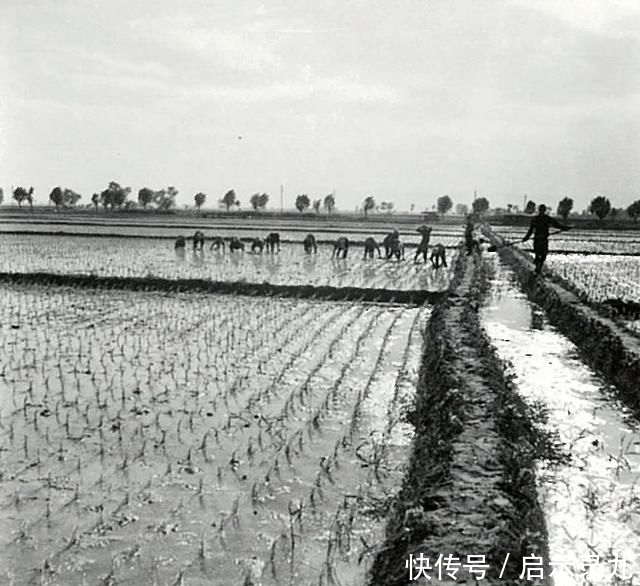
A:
(319, 293)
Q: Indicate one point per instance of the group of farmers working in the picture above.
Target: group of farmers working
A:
(392, 244)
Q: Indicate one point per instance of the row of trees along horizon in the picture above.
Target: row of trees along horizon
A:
(117, 197)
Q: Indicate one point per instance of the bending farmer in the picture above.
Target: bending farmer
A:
(540, 225)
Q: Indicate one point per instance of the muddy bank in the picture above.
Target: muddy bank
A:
(596, 485)
(470, 486)
(406, 297)
(604, 344)
(626, 309)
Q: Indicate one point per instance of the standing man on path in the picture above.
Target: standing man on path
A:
(470, 243)
(540, 225)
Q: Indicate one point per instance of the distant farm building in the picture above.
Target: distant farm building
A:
(430, 216)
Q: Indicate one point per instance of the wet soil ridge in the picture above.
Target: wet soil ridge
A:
(604, 343)
(625, 309)
(470, 486)
(405, 297)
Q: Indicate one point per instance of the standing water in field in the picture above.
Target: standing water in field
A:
(194, 439)
(156, 258)
(591, 504)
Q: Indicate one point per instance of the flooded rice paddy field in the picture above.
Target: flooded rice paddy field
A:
(151, 438)
(199, 439)
(601, 277)
(582, 241)
(591, 503)
(448, 235)
(130, 257)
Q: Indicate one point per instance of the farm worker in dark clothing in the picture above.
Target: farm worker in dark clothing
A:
(470, 242)
(540, 225)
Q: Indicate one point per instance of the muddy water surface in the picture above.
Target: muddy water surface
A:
(592, 504)
(189, 439)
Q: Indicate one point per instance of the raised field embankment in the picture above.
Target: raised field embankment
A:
(604, 344)
(470, 486)
(416, 297)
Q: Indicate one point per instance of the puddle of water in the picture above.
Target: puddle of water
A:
(592, 504)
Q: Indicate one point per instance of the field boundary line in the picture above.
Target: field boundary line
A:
(406, 297)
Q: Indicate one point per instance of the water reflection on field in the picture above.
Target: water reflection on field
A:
(591, 504)
(129, 257)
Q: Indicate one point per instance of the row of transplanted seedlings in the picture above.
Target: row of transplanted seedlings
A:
(141, 258)
(584, 241)
(161, 424)
(72, 365)
(352, 442)
(601, 277)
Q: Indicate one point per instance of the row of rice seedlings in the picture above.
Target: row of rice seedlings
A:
(363, 393)
(121, 372)
(300, 392)
(601, 278)
(308, 340)
(124, 464)
(328, 463)
(402, 376)
(340, 533)
(341, 538)
(340, 541)
(586, 241)
(184, 425)
(313, 421)
(261, 355)
(266, 427)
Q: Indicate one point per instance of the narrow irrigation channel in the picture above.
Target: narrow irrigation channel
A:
(591, 500)
(467, 510)
(605, 344)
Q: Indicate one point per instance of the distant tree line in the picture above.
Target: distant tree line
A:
(116, 196)
(22, 194)
(600, 206)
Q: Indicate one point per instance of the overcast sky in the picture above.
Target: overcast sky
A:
(404, 101)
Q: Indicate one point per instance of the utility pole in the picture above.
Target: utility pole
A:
(281, 198)
(475, 194)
